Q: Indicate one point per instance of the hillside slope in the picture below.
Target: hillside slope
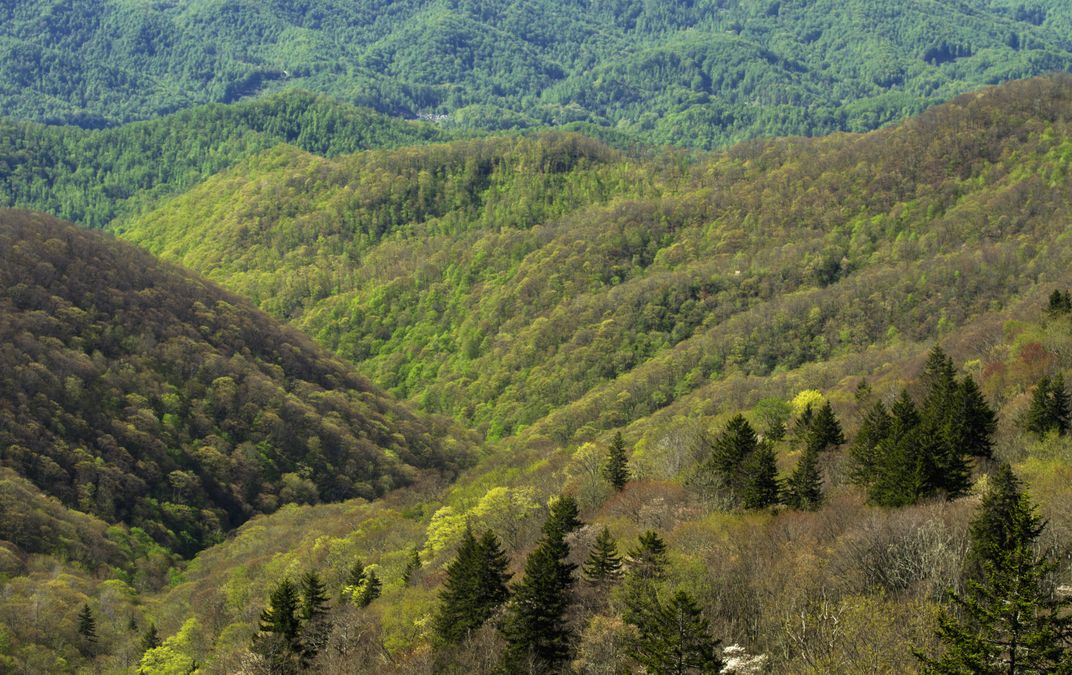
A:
(141, 394)
(552, 282)
(689, 73)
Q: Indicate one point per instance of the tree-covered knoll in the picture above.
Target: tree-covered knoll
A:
(690, 73)
(143, 395)
(94, 176)
(549, 282)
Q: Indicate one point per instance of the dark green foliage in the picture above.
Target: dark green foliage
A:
(616, 470)
(314, 598)
(674, 638)
(1009, 620)
(164, 402)
(1050, 407)
(475, 587)
(732, 462)
(972, 422)
(370, 589)
(413, 565)
(563, 516)
(875, 427)
(151, 638)
(1060, 303)
(698, 73)
(603, 565)
(535, 628)
(648, 559)
(87, 627)
(356, 576)
(278, 640)
(804, 487)
(825, 428)
(761, 486)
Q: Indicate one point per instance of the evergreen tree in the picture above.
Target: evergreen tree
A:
(475, 586)
(132, 624)
(314, 599)
(369, 591)
(563, 515)
(804, 489)
(356, 576)
(875, 427)
(1060, 303)
(151, 638)
(675, 639)
(825, 429)
(761, 487)
(729, 453)
(972, 422)
(87, 627)
(535, 626)
(648, 560)
(1009, 620)
(1050, 407)
(940, 381)
(413, 565)
(604, 565)
(802, 427)
(616, 470)
(280, 629)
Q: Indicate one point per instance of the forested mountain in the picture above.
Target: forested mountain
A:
(143, 395)
(94, 176)
(689, 73)
(551, 281)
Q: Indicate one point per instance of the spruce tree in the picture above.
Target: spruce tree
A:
(370, 590)
(563, 515)
(413, 565)
(729, 453)
(1050, 407)
(761, 488)
(278, 639)
(1009, 620)
(616, 470)
(151, 638)
(825, 429)
(604, 565)
(87, 627)
(940, 381)
(356, 576)
(314, 599)
(804, 489)
(648, 559)
(475, 587)
(1060, 303)
(535, 627)
(675, 639)
(874, 428)
(972, 422)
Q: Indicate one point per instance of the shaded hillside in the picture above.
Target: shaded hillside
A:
(137, 392)
(551, 284)
(690, 73)
(91, 177)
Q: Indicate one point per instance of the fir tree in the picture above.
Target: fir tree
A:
(875, 427)
(475, 587)
(563, 515)
(604, 565)
(314, 599)
(675, 639)
(1050, 407)
(151, 638)
(802, 427)
(940, 381)
(369, 591)
(1060, 303)
(729, 454)
(825, 429)
(761, 487)
(972, 422)
(413, 565)
(356, 576)
(648, 560)
(804, 489)
(87, 627)
(1009, 620)
(616, 470)
(535, 626)
(280, 628)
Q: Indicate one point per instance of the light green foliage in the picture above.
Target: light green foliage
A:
(174, 656)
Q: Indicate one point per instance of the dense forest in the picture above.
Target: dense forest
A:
(137, 393)
(94, 176)
(689, 73)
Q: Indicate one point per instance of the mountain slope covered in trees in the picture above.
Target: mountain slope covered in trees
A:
(143, 395)
(550, 281)
(94, 176)
(697, 74)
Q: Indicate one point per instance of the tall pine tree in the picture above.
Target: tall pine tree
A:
(314, 615)
(278, 641)
(804, 489)
(604, 565)
(761, 486)
(825, 429)
(563, 515)
(1050, 407)
(475, 587)
(616, 469)
(674, 639)
(87, 629)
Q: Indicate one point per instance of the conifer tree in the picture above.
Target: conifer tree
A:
(825, 429)
(972, 422)
(802, 427)
(1050, 407)
(1060, 303)
(604, 565)
(616, 470)
(1009, 620)
(314, 599)
(729, 454)
(874, 428)
(413, 565)
(648, 559)
(356, 576)
(761, 487)
(475, 586)
(87, 627)
(370, 590)
(563, 515)
(675, 639)
(535, 626)
(151, 638)
(280, 629)
(804, 489)
(940, 380)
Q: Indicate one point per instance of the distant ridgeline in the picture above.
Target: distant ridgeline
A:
(698, 74)
(141, 394)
